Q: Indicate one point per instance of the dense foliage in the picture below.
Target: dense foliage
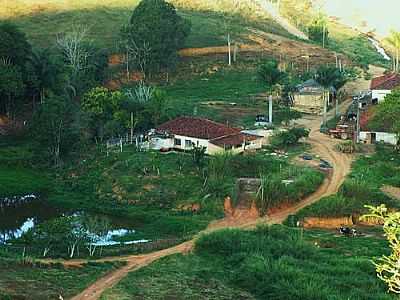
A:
(154, 34)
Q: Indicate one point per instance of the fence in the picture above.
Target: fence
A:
(117, 144)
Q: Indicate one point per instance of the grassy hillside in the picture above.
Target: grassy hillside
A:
(42, 20)
(268, 263)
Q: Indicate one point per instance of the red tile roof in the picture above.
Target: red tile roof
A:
(386, 82)
(197, 128)
(234, 139)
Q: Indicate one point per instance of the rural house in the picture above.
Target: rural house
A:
(309, 97)
(186, 132)
(383, 85)
(376, 135)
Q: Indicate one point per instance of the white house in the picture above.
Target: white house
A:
(186, 132)
(383, 85)
(369, 136)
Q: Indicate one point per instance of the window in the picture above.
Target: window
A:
(188, 144)
(177, 142)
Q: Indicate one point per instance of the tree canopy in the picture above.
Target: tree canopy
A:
(155, 24)
(13, 44)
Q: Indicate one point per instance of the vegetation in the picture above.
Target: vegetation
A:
(266, 263)
(154, 35)
(362, 187)
(386, 115)
(207, 19)
(29, 280)
(288, 138)
(387, 267)
(394, 41)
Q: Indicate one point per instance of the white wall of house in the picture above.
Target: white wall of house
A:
(186, 143)
(385, 137)
(264, 135)
(158, 143)
(380, 94)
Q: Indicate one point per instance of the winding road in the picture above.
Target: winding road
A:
(322, 145)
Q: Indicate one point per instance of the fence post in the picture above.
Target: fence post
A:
(120, 144)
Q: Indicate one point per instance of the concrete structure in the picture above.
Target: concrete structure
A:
(383, 85)
(370, 137)
(187, 132)
(309, 97)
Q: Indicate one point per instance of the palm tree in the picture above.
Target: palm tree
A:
(394, 41)
(271, 76)
(327, 77)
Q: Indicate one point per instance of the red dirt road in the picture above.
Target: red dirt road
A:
(322, 145)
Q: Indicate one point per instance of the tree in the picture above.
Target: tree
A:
(285, 139)
(104, 109)
(272, 77)
(135, 103)
(394, 42)
(328, 77)
(55, 129)
(318, 31)
(387, 114)
(47, 70)
(11, 87)
(13, 45)
(72, 44)
(157, 108)
(155, 25)
(388, 267)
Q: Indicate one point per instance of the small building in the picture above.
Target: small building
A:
(309, 97)
(383, 85)
(186, 132)
(373, 136)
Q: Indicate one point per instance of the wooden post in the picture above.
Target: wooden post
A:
(235, 50)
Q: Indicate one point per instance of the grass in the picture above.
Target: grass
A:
(362, 187)
(43, 20)
(26, 281)
(17, 177)
(266, 263)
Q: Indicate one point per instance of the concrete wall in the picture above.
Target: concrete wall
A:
(380, 94)
(385, 137)
(310, 100)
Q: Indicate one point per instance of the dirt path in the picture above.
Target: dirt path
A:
(322, 146)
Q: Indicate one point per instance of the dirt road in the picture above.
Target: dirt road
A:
(322, 146)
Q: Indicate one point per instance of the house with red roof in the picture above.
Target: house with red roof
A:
(383, 85)
(370, 135)
(184, 133)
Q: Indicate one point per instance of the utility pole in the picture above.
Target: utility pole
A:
(325, 108)
(358, 121)
(270, 109)
(229, 50)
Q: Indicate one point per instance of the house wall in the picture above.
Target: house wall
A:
(308, 100)
(385, 137)
(380, 94)
(157, 143)
(196, 141)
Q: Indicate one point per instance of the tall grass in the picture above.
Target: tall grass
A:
(267, 263)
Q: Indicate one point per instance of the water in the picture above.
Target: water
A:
(19, 214)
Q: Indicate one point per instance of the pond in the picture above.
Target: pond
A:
(19, 214)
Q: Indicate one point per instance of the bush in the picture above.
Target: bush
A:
(286, 139)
